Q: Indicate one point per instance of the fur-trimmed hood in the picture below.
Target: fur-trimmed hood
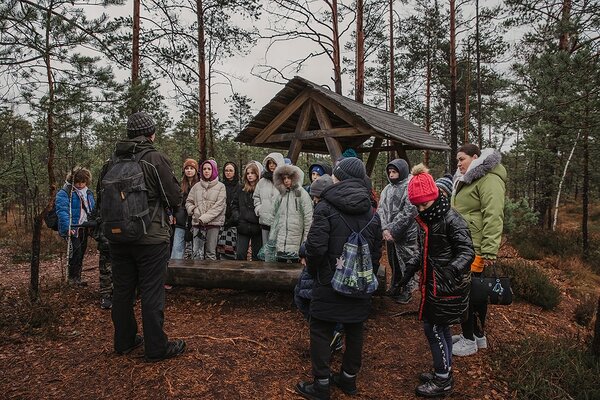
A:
(486, 162)
(293, 172)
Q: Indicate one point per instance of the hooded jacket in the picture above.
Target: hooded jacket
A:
(232, 188)
(243, 204)
(62, 207)
(445, 257)
(324, 166)
(478, 196)
(206, 201)
(265, 192)
(398, 214)
(294, 211)
(161, 184)
(349, 199)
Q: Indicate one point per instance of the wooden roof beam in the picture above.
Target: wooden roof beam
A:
(316, 134)
(282, 117)
(302, 125)
(333, 145)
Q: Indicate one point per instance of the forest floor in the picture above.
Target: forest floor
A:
(240, 345)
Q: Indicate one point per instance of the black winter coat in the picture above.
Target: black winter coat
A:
(326, 238)
(182, 219)
(232, 189)
(445, 284)
(243, 206)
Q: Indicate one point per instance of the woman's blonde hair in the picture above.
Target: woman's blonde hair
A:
(248, 187)
(80, 175)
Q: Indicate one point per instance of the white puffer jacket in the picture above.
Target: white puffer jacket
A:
(294, 211)
(265, 192)
(206, 203)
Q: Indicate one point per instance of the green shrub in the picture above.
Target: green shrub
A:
(530, 284)
(518, 216)
(535, 243)
(559, 369)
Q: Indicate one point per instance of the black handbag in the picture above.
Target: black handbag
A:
(492, 289)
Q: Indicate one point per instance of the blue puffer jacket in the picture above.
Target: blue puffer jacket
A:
(62, 208)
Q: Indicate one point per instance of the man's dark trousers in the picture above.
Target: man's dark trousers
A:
(142, 266)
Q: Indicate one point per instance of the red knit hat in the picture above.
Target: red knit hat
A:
(421, 187)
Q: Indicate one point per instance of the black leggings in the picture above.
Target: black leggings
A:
(475, 323)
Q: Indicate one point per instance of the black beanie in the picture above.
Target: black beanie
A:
(140, 124)
(350, 167)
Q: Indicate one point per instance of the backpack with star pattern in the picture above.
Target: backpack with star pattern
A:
(354, 275)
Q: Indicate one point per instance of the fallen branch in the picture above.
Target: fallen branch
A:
(232, 339)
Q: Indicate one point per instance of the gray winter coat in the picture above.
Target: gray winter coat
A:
(265, 193)
(398, 216)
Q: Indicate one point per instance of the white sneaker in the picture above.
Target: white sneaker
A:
(481, 342)
(464, 347)
(456, 338)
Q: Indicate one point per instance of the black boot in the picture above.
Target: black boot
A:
(436, 387)
(313, 390)
(348, 385)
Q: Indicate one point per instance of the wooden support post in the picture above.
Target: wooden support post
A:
(333, 145)
(373, 156)
(301, 126)
(281, 117)
(402, 153)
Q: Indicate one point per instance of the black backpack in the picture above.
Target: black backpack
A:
(51, 218)
(124, 200)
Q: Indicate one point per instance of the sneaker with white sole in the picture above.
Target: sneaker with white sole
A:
(456, 338)
(464, 347)
(481, 342)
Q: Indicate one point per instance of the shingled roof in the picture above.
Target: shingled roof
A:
(344, 114)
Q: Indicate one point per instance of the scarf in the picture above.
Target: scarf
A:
(82, 193)
(438, 209)
(268, 175)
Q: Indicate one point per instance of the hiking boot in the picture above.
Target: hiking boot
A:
(464, 347)
(77, 282)
(337, 343)
(404, 298)
(137, 342)
(106, 303)
(313, 390)
(174, 348)
(347, 384)
(481, 342)
(436, 387)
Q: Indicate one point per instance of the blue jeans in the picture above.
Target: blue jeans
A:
(178, 244)
(440, 343)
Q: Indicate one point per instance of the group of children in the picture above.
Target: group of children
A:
(268, 210)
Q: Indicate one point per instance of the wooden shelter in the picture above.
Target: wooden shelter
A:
(305, 116)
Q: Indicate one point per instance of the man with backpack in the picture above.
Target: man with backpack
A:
(138, 189)
(343, 215)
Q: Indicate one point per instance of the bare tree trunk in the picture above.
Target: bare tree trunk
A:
(453, 111)
(478, 56)
(392, 66)
(135, 55)
(34, 284)
(563, 41)
(201, 83)
(337, 64)
(359, 86)
(562, 179)
(586, 198)
(467, 96)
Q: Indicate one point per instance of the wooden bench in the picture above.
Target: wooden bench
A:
(240, 275)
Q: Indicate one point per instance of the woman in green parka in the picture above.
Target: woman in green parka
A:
(478, 195)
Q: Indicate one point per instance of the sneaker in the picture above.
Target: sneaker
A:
(481, 342)
(77, 282)
(337, 343)
(137, 342)
(168, 287)
(464, 347)
(174, 348)
(436, 387)
(106, 303)
(404, 298)
(456, 338)
(313, 390)
(425, 377)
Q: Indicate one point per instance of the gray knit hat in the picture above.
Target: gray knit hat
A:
(317, 187)
(140, 124)
(445, 183)
(350, 167)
